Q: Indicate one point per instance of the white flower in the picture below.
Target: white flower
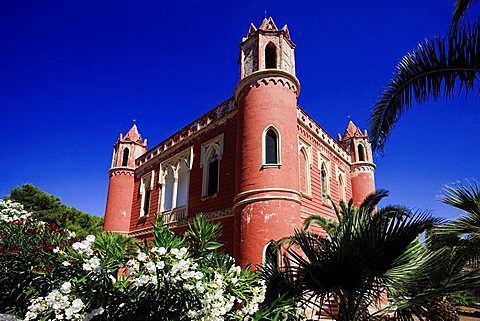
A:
(150, 266)
(55, 250)
(66, 263)
(160, 250)
(160, 265)
(141, 256)
(66, 287)
(90, 238)
(77, 305)
(93, 264)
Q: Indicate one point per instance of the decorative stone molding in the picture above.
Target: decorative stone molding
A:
(215, 215)
(264, 190)
(266, 77)
(215, 116)
(121, 171)
(363, 167)
(311, 126)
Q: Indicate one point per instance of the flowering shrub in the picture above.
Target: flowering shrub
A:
(29, 263)
(110, 277)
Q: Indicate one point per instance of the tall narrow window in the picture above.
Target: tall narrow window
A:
(212, 182)
(146, 205)
(126, 152)
(146, 192)
(361, 153)
(168, 190)
(183, 178)
(303, 164)
(271, 255)
(341, 188)
(270, 56)
(271, 147)
(324, 182)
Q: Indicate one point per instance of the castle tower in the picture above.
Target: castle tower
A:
(267, 201)
(362, 169)
(120, 187)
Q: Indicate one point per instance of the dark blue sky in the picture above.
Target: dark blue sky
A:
(75, 73)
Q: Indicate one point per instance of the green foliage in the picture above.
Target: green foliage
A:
(49, 208)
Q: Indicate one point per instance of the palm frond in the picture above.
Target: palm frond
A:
(439, 66)
(460, 9)
(371, 201)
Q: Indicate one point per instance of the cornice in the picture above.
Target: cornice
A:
(115, 171)
(264, 77)
(318, 132)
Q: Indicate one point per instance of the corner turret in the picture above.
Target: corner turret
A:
(362, 170)
(120, 188)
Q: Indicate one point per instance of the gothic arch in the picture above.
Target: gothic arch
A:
(271, 146)
(270, 56)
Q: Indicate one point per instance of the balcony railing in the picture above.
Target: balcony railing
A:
(175, 215)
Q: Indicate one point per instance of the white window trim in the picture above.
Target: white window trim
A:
(307, 149)
(322, 159)
(213, 145)
(342, 175)
(279, 147)
(151, 177)
(174, 164)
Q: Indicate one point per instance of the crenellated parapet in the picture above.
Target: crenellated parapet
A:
(214, 117)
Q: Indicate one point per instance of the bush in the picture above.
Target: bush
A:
(110, 277)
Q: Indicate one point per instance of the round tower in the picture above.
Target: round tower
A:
(120, 188)
(267, 201)
(362, 170)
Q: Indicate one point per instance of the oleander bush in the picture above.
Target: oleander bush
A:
(47, 273)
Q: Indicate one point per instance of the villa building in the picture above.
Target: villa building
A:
(257, 163)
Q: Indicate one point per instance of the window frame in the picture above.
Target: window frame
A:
(208, 149)
(150, 176)
(264, 147)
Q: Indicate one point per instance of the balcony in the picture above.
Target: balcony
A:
(175, 215)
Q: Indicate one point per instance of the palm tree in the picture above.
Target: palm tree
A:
(442, 66)
(346, 273)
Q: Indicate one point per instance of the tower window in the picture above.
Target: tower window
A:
(271, 255)
(126, 152)
(324, 182)
(361, 153)
(212, 182)
(271, 147)
(270, 56)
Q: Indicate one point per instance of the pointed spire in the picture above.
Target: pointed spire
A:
(268, 25)
(133, 135)
(352, 131)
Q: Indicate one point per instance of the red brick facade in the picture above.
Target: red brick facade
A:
(257, 163)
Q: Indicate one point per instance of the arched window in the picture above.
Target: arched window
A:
(168, 189)
(146, 192)
(361, 153)
(271, 147)
(324, 182)
(212, 174)
(304, 172)
(126, 152)
(183, 178)
(341, 188)
(270, 56)
(146, 204)
(271, 255)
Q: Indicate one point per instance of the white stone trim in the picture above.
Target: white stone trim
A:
(307, 149)
(279, 147)
(207, 150)
(145, 180)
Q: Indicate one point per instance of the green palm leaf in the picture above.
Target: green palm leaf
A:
(460, 9)
(440, 66)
